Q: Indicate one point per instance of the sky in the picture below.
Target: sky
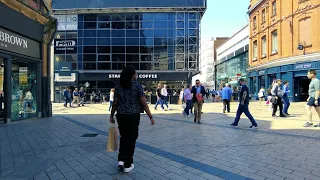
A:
(224, 18)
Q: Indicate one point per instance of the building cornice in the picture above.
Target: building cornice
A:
(254, 6)
(287, 61)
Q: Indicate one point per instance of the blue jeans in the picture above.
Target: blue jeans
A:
(159, 101)
(67, 100)
(111, 103)
(244, 109)
(188, 107)
(286, 104)
(165, 101)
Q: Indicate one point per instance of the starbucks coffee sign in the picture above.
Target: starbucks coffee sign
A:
(10, 41)
(140, 76)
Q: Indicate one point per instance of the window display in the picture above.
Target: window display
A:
(24, 89)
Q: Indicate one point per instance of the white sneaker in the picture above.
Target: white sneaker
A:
(127, 170)
(120, 165)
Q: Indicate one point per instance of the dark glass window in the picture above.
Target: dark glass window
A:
(171, 24)
(132, 25)
(103, 41)
(104, 66)
(147, 16)
(89, 57)
(118, 17)
(71, 58)
(147, 25)
(132, 33)
(147, 41)
(146, 33)
(144, 49)
(103, 33)
(160, 41)
(118, 33)
(160, 33)
(103, 57)
(90, 25)
(146, 57)
(145, 66)
(89, 17)
(134, 65)
(104, 17)
(118, 25)
(132, 17)
(89, 66)
(160, 25)
(103, 49)
(71, 35)
(90, 33)
(118, 66)
(104, 25)
(59, 58)
(132, 41)
(118, 57)
(132, 58)
(89, 41)
(161, 16)
(118, 41)
(89, 49)
(132, 49)
(118, 49)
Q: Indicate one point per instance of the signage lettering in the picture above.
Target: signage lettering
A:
(141, 76)
(67, 22)
(303, 66)
(65, 43)
(261, 72)
(14, 40)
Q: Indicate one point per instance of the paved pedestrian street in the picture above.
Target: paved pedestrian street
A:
(175, 148)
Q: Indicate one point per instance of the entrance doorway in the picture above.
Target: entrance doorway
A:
(2, 104)
(301, 87)
(58, 93)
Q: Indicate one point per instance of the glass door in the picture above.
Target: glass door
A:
(1, 89)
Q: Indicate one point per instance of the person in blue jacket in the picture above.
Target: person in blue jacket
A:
(198, 90)
(226, 94)
(67, 97)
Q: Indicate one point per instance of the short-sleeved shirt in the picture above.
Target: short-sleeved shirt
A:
(187, 94)
(129, 99)
(244, 88)
(314, 86)
(159, 92)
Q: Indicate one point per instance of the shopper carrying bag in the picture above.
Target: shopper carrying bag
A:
(112, 139)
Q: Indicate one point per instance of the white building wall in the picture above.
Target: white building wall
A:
(238, 40)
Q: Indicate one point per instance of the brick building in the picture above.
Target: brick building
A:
(284, 43)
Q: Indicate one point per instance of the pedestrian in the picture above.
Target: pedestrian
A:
(181, 97)
(261, 95)
(244, 105)
(314, 97)
(276, 100)
(129, 98)
(187, 100)
(76, 97)
(285, 98)
(198, 92)
(67, 97)
(111, 98)
(164, 94)
(81, 95)
(269, 103)
(159, 98)
(226, 94)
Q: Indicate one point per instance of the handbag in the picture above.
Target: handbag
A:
(112, 144)
(199, 97)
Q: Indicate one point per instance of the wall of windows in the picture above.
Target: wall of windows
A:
(145, 41)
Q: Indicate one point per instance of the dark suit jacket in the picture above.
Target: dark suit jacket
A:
(194, 91)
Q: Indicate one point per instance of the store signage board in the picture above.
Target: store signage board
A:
(141, 76)
(303, 66)
(10, 41)
(67, 22)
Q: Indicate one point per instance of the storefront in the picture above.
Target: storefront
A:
(295, 74)
(20, 76)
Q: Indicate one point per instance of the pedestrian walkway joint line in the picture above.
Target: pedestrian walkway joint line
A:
(180, 159)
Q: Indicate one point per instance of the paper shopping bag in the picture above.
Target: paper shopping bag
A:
(112, 140)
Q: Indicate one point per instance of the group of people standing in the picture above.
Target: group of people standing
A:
(75, 97)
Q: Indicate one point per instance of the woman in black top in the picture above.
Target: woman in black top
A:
(128, 99)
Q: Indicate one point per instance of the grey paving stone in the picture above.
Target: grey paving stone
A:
(121, 177)
(156, 176)
(79, 169)
(210, 176)
(269, 175)
(138, 176)
(56, 175)
(173, 176)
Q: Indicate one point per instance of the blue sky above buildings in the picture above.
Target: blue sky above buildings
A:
(224, 18)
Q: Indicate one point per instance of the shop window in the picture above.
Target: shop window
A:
(89, 57)
(118, 49)
(89, 66)
(104, 17)
(255, 22)
(132, 17)
(132, 58)
(132, 25)
(305, 32)
(263, 16)
(24, 90)
(103, 57)
(104, 66)
(118, 66)
(118, 17)
(90, 25)
(71, 58)
(146, 66)
(263, 46)
(104, 25)
(274, 36)
(146, 57)
(255, 50)
(274, 8)
(118, 25)
(132, 49)
(103, 49)
(133, 65)
(118, 57)
(89, 49)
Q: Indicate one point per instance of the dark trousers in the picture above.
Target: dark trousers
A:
(226, 105)
(67, 100)
(286, 104)
(165, 101)
(275, 106)
(110, 106)
(188, 107)
(129, 132)
(244, 109)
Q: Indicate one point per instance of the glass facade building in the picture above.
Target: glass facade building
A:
(151, 36)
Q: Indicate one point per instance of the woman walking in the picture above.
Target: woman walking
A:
(261, 95)
(111, 98)
(128, 98)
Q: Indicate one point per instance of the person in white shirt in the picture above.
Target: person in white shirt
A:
(28, 101)
(261, 95)
(111, 98)
(164, 94)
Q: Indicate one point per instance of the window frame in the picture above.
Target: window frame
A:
(263, 46)
(263, 16)
(274, 8)
(255, 50)
(273, 49)
(254, 22)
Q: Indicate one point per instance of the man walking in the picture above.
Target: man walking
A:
(187, 100)
(67, 97)
(285, 98)
(159, 98)
(81, 94)
(198, 92)
(314, 97)
(164, 94)
(244, 105)
(226, 94)
(277, 94)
